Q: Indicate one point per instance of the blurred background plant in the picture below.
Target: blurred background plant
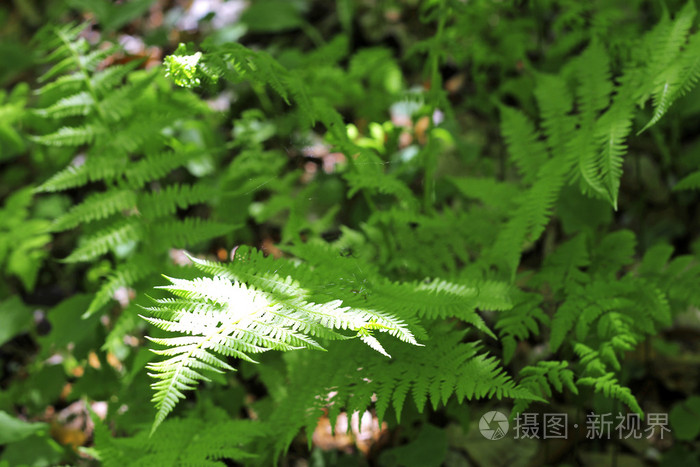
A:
(405, 166)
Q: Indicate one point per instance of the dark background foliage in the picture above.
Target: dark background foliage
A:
(441, 161)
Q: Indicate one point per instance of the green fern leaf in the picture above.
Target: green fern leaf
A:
(524, 145)
(595, 86)
(207, 437)
(64, 85)
(78, 104)
(191, 230)
(555, 102)
(690, 182)
(124, 275)
(162, 203)
(233, 319)
(528, 222)
(539, 380)
(611, 130)
(157, 165)
(70, 136)
(610, 387)
(96, 207)
(672, 71)
(70, 177)
(101, 242)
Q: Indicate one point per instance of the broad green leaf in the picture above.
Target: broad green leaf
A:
(16, 318)
(13, 429)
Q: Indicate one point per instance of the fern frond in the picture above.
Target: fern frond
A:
(74, 54)
(563, 321)
(667, 38)
(524, 144)
(602, 380)
(622, 309)
(348, 375)
(138, 131)
(156, 204)
(105, 80)
(108, 238)
(360, 282)
(189, 231)
(614, 251)
(528, 222)
(555, 102)
(653, 302)
(368, 174)
(519, 323)
(501, 196)
(210, 438)
(157, 165)
(610, 387)
(456, 237)
(595, 84)
(672, 71)
(599, 168)
(124, 275)
(562, 267)
(70, 177)
(256, 66)
(654, 260)
(690, 182)
(95, 207)
(233, 319)
(539, 380)
(51, 40)
(77, 104)
(71, 136)
(121, 102)
(66, 64)
(611, 130)
(597, 306)
(294, 285)
(439, 298)
(253, 268)
(63, 85)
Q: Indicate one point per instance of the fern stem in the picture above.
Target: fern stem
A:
(429, 153)
(264, 99)
(430, 168)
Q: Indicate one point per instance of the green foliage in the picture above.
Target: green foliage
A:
(134, 215)
(207, 437)
(11, 114)
(14, 429)
(231, 319)
(397, 257)
(183, 68)
(22, 239)
(684, 418)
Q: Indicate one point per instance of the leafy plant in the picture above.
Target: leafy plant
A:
(393, 246)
